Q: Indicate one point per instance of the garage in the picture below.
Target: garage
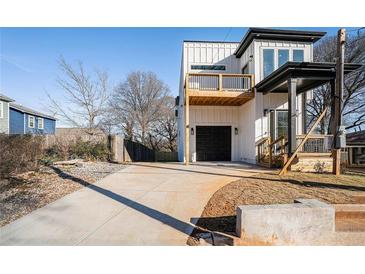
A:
(213, 143)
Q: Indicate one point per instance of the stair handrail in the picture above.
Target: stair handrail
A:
(290, 160)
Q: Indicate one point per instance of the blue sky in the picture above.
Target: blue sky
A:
(28, 56)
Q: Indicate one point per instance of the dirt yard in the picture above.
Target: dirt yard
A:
(220, 212)
(31, 190)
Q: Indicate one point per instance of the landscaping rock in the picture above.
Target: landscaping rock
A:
(28, 191)
(68, 162)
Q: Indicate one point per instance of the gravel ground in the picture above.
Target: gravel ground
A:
(31, 190)
(220, 212)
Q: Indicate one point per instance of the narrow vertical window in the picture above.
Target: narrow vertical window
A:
(40, 123)
(268, 63)
(298, 55)
(281, 123)
(31, 121)
(283, 56)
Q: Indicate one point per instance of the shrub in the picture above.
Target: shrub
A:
(89, 150)
(58, 151)
(19, 153)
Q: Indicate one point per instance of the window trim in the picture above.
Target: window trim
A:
(1, 109)
(274, 113)
(40, 119)
(29, 118)
(262, 60)
(276, 56)
(208, 70)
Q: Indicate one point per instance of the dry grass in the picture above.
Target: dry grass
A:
(31, 190)
(219, 213)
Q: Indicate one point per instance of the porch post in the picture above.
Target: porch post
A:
(187, 126)
(292, 115)
(332, 126)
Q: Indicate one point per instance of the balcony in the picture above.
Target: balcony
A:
(219, 89)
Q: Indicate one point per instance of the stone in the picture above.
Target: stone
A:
(297, 223)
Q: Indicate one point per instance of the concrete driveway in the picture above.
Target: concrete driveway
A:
(143, 204)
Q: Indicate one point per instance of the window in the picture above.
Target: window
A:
(298, 55)
(208, 67)
(268, 57)
(281, 123)
(278, 123)
(31, 121)
(40, 123)
(283, 57)
(1, 109)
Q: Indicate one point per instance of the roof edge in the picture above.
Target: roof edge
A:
(212, 41)
(6, 98)
(277, 34)
(30, 111)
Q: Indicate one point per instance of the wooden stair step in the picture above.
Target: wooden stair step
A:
(314, 154)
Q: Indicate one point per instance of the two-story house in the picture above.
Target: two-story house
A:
(17, 119)
(235, 94)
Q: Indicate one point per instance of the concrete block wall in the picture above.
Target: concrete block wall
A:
(285, 224)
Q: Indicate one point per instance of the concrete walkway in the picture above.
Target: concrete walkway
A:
(143, 204)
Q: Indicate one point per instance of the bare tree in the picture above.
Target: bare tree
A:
(166, 129)
(354, 91)
(85, 97)
(138, 103)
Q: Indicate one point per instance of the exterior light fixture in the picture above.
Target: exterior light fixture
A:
(236, 131)
(192, 131)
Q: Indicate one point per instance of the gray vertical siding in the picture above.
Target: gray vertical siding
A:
(4, 121)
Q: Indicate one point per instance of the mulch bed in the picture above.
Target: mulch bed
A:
(220, 212)
(28, 191)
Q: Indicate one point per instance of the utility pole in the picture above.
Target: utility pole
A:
(337, 129)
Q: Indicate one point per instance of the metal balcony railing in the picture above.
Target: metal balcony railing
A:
(220, 82)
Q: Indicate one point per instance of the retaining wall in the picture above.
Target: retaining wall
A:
(285, 224)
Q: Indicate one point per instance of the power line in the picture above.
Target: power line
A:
(228, 33)
(226, 36)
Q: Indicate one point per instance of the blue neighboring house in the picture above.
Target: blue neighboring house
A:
(24, 120)
(17, 119)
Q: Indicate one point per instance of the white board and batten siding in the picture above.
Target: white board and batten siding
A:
(215, 116)
(207, 53)
(213, 53)
(249, 118)
(276, 101)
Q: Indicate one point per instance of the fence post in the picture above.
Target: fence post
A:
(117, 148)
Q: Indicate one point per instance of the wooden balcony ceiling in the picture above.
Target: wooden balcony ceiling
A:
(219, 98)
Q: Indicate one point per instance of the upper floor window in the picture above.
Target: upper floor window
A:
(298, 55)
(283, 56)
(274, 58)
(40, 123)
(268, 61)
(31, 121)
(1, 109)
(208, 67)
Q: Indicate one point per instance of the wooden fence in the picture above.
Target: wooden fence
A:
(130, 151)
(140, 153)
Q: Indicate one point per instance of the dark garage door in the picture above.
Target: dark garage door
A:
(213, 143)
